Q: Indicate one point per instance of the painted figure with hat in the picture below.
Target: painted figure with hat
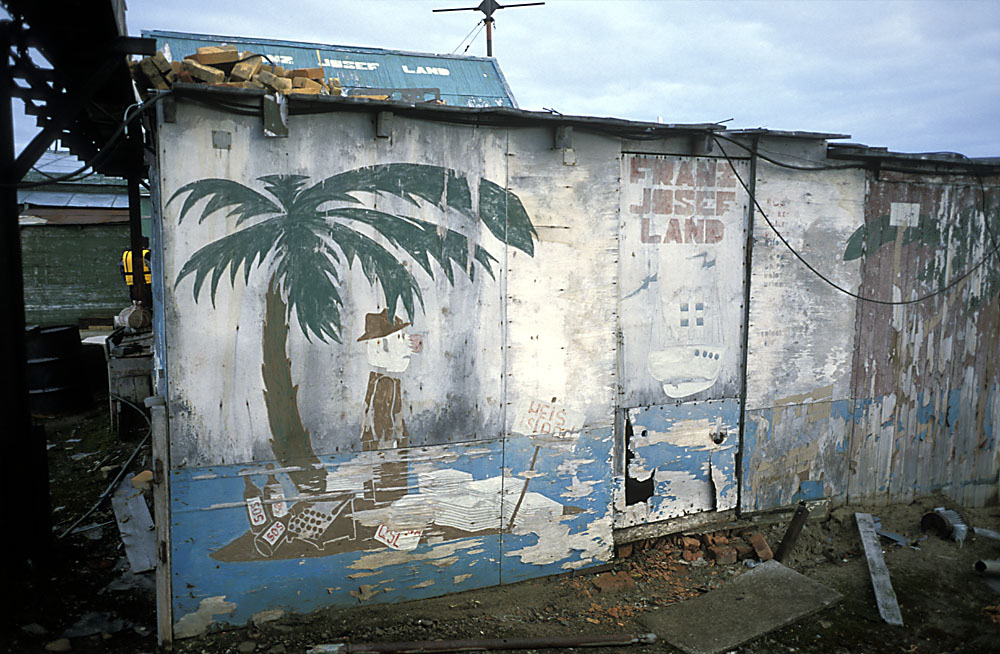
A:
(383, 427)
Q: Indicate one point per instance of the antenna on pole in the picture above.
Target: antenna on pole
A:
(488, 7)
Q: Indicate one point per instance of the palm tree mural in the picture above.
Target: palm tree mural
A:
(303, 237)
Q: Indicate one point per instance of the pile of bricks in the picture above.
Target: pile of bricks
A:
(723, 547)
(225, 65)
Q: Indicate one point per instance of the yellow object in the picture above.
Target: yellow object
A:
(127, 266)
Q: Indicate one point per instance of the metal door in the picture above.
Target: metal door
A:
(682, 247)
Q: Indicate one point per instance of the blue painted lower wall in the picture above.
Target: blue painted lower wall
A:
(459, 517)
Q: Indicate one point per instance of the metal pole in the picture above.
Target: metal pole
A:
(140, 290)
(26, 478)
(489, 36)
(479, 644)
(792, 533)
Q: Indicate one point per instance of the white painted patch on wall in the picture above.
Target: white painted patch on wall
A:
(398, 540)
(689, 434)
(555, 543)
(195, 624)
(386, 558)
(578, 489)
(904, 214)
(686, 494)
(536, 417)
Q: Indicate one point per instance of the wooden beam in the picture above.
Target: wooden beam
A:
(885, 596)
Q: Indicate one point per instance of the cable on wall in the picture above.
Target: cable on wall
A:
(954, 282)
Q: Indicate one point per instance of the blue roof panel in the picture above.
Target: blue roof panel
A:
(458, 80)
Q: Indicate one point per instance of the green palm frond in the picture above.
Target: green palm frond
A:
(422, 240)
(311, 284)
(434, 184)
(502, 212)
(871, 236)
(245, 248)
(221, 193)
(379, 265)
(284, 187)
(299, 235)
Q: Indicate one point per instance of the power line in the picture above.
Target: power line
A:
(830, 282)
(462, 42)
(474, 37)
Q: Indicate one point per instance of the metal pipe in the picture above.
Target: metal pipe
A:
(479, 644)
(489, 36)
(792, 533)
(989, 567)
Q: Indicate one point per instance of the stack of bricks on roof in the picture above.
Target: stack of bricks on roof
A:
(226, 65)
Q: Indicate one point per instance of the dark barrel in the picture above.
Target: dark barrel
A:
(54, 374)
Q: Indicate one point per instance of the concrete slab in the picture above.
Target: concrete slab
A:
(768, 597)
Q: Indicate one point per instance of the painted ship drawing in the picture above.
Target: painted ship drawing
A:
(692, 355)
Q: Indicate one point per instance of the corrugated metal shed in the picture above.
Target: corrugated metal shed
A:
(457, 80)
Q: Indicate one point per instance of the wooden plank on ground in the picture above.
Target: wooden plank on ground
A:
(885, 596)
(136, 527)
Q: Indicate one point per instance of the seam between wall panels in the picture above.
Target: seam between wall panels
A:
(161, 438)
(618, 411)
(751, 214)
(850, 485)
(505, 345)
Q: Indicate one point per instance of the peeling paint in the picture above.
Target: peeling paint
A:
(198, 622)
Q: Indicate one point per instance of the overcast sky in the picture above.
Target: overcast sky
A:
(912, 76)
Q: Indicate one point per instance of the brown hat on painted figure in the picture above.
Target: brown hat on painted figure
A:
(378, 325)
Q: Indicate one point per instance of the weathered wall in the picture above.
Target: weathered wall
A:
(400, 382)
(926, 375)
(457, 357)
(800, 341)
(71, 272)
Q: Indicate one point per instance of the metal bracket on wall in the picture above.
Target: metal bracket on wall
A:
(702, 145)
(564, 141)
(167, 108)
(564, 137)
(222, 140)
(276, 116)
(383, 125)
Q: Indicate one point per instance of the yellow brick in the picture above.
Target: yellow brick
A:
(152, 73)
(273, 82)
(305, 83)
(211, 55)
(311, 73)
(245, 70)
(203, 73)
(161, 63)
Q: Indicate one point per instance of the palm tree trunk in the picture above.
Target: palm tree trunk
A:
(290, 440)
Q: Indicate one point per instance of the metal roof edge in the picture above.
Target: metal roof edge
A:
(247, 40)
(479, 115)
(792, 134)
(859, 151)
(503, 82)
